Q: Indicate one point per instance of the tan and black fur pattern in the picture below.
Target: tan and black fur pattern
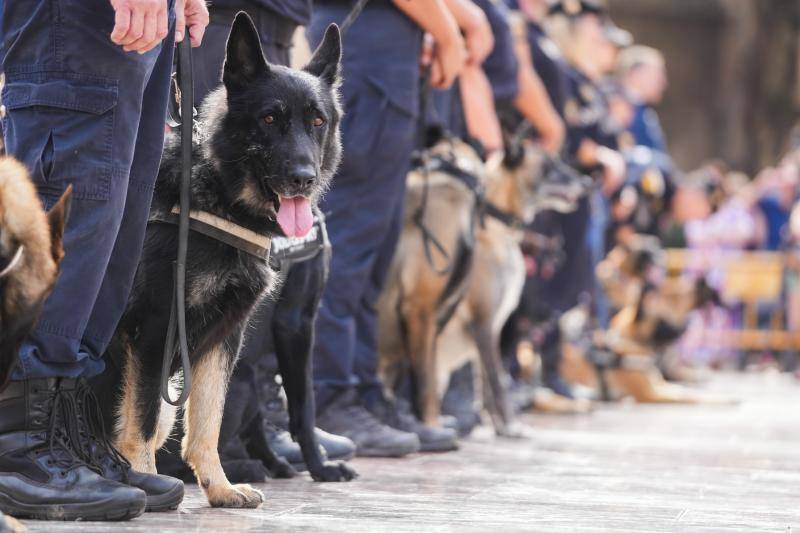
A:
(30, 253)
(519, 188)
(242, 167)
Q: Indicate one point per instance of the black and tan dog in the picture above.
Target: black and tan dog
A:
(270, 145)
(30, 254)
(652, 312)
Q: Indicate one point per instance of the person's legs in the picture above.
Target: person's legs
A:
(74, 102)
(378, 137)
(72, 117)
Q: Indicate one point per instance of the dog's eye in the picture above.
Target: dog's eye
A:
(318, 121)
(269, 119)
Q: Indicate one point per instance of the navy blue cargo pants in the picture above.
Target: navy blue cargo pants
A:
(364, 207)
(81, 111)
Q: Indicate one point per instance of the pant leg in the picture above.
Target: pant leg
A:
(121, 268)
(73, 102)
(380, 95)
(366, 360)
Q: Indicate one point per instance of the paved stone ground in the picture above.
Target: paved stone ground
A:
(623, 468)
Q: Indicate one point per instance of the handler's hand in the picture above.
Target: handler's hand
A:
(194, 14)
(139, 25)
(449, 58)
(478, 35)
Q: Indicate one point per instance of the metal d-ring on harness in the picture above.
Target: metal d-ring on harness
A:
(181, 113)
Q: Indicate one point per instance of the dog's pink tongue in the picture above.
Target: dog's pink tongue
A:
(295, 217)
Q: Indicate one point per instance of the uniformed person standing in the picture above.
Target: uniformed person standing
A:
(563, 39)
(85, 97)
(364, 207)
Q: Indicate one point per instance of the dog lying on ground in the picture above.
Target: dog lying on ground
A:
(520, 183)
(30, 254)
(653, 314)
(269, 148)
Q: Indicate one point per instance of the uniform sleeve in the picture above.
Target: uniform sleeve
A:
(501, 65)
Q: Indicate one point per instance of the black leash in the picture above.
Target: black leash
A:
(428, 238)
(181, 113)
(176, 330)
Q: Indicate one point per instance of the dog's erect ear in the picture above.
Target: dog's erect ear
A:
(326, 63)
(244, 58)
(57, 219)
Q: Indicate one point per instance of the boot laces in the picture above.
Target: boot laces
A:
(62, 433)
(93, 432)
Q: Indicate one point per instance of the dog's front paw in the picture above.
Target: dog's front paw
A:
(335, 471)
(281, 469)
(237, 496)
(512, 430)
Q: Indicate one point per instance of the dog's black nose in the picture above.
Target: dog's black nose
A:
(302, 176)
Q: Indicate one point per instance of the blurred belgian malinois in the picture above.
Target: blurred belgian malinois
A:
(30, 253)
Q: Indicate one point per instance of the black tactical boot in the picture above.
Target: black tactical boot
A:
(41, 475)
(163, 492)
(399, 417)
(343, 414)
(459, 401)
(276, 428)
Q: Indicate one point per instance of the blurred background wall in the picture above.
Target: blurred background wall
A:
(734, 68)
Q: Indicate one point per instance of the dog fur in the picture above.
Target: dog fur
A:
(264, 122)
(25, 229)
(520, 186)
(417, 300)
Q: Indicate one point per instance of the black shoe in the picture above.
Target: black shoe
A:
(399, 417)
(276, 427)
(459, 401)
(41, 476)
(344, 415)
(164, 493)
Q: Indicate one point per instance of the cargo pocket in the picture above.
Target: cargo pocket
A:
(63, 130)
(379, 121)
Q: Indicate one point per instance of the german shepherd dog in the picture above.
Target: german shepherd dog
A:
(652, 314)
(268, 150)
(418, 303)
(522, 183)
(424, 288)
(30, 254)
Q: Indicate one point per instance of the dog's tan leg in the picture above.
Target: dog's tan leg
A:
(421, 341)
(202, 421)
(166, 422)
(130, 441)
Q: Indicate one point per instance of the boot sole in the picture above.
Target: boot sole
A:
(94, 512)
(440, 446)
(386, 452)
(169, 501)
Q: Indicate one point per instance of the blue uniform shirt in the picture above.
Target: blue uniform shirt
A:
(646, 128)
(550, 65)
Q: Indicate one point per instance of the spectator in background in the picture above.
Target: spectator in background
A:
(643, 75)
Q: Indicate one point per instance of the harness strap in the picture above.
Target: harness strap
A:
(221, 229)
(15, 261)
(505, 217)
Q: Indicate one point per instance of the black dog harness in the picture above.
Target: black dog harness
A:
(287, 251)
